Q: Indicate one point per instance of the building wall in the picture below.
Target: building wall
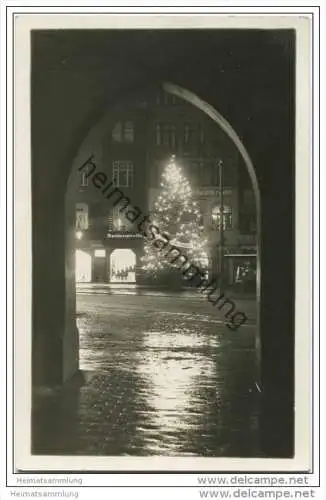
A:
(144, 133)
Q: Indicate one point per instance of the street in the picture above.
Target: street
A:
(164, 376)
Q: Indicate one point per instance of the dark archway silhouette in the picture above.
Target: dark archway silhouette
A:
(249, 76)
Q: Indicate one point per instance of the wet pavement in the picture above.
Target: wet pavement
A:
(164, 376)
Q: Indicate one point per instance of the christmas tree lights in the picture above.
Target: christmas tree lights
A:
(178, 218)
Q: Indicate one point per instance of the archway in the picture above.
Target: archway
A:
(262, 116)
(123, 266)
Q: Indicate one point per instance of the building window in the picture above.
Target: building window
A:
(123, 132)
(165, 98)
(165, 134)
(203, 173)
(216, 173)
(119, 220)
(122, 173)
(247, 223)
(155, 174)
(129, 132)
(169, 135)
(189, 134)
(216, 217)
(84, 177)
(201, 134)
(142, 102)
(194, 172)
(208, 173)
(249, 198)
(81, 216)
(117, 132)
(186, 133)
(158, 134)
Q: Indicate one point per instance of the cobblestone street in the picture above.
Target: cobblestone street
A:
(164, 376)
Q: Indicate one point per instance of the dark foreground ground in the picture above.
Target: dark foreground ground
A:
(164, 376)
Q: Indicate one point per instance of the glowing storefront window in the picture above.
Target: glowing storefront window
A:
(83, 267)
(227, 217)
(123, 266)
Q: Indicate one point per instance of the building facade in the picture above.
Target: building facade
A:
(136, 143)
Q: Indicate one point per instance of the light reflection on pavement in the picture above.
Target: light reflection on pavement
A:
(165, 376)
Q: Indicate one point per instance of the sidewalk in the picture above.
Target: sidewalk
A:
(135, 289)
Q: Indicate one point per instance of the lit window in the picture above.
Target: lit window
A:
(122, 173)
(81, 216)
(99, 252)
(227, 217)
(119, 220)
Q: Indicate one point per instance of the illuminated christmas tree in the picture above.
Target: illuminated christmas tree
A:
(177, 217)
